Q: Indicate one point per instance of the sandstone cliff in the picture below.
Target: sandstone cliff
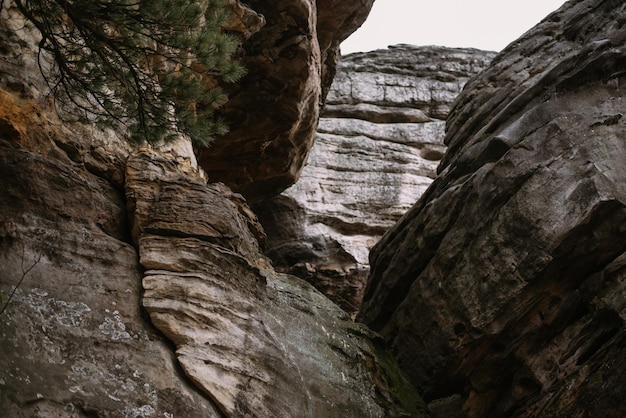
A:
(502, 290)
(138, 287)
(131, 286)
(378, 144)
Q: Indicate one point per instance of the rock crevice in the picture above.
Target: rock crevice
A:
(378, 144)
(256, 342)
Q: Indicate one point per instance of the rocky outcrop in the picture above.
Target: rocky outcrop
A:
(379, 141)
(273, 111)
(501, 292)
(130, 286)
(73, 337)
(255, 342)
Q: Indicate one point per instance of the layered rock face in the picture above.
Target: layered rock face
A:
(379, 141)
(130, 286)
(75, 341)
(255, 342)
(502, 290)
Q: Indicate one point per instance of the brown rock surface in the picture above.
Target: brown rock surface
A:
(73, 336)
(74, 341)
(213, 331)
(501, 291)
(273, 111)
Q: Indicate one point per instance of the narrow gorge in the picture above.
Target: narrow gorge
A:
(409, 232)
(379, 141)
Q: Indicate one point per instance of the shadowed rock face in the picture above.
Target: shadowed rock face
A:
(74, 339)
(378, 144)
(273, 111)
(257, 343)
(502, 290)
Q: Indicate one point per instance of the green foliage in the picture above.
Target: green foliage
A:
(151, 67)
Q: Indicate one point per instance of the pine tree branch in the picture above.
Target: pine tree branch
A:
(19, 283)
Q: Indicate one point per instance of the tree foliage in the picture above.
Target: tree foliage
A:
(150, 67)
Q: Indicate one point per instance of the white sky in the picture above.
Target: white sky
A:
(482, 24)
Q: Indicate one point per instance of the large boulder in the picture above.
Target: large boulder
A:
(379, 141)
(273, 111)
(501, 292)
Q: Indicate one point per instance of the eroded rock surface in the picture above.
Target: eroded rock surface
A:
(74, 341)
(379, 141)
(256, 342)
(174, 314)
(502, 290)
(273, 111)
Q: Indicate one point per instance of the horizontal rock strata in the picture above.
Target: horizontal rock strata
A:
(175, 313)
(73, 337)
(256, 342)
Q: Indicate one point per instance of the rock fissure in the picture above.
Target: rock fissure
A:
(220, 333)
(366, 170)
(496, 279)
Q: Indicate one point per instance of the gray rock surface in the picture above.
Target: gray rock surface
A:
(257, 343)
(74, 341)
(379, 142)
(501, 291)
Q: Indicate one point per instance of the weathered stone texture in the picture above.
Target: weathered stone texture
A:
(85, 221)
(273, 111)
(256, 342)
(379, 141)
(73, 338)
(501, 291)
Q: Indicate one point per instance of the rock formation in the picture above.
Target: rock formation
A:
(130, 286)
(273, 111)
(502, 291)
(256, 342)
(133, 284)
(379, 141)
